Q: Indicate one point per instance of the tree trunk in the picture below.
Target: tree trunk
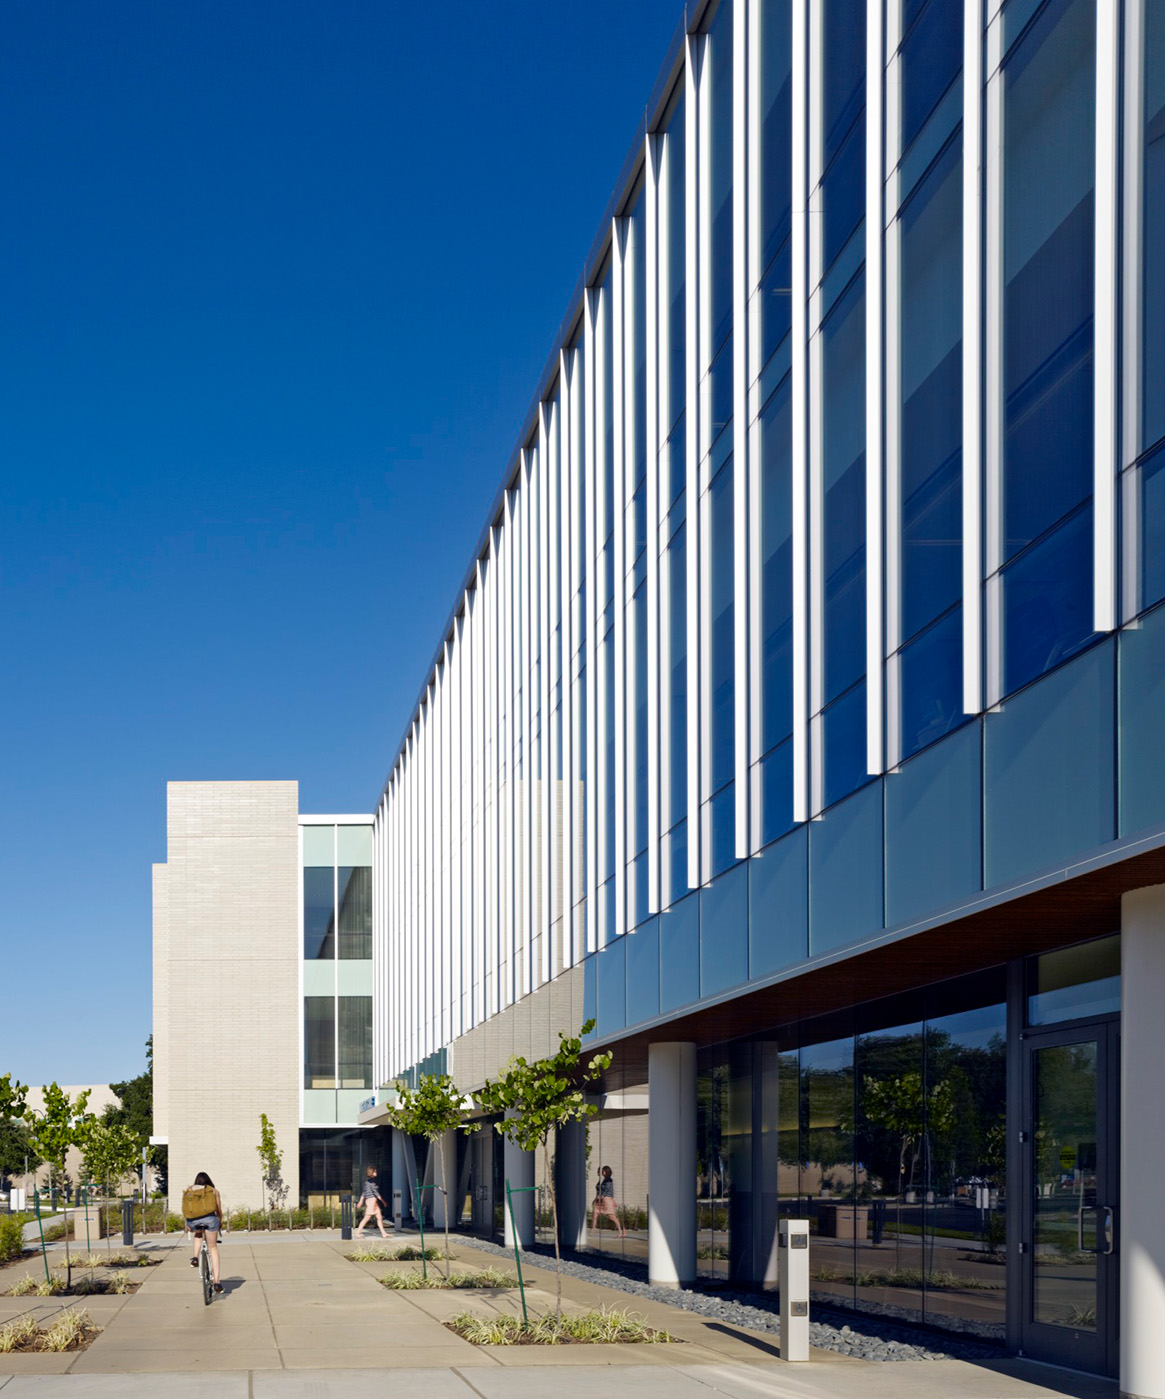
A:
(445, 1192)
(68, 1258)
(554, 1213)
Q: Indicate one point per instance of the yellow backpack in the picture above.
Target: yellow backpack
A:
(198, 1200)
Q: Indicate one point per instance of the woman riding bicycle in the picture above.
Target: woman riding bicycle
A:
(208, 1224)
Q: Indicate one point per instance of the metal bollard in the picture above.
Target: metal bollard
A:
(398, 1210)
(793, 1280)
(127, 1222)
(345, 1216)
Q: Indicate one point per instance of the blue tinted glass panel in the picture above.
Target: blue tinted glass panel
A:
(638, 891)
(777, 567)
(612, 979)
(932, 54)
(845, 745)
(1047, 602)
(776, 37)
(723, 690)
(724, 932)
(638, 464)
(845, 872)
(1151, 523)
(718, 70)
(843, 193)
(637, 835)
(933, 825)
(1049, 146)
(1049, 768)
(1073, 982)
(722, 824)
(844, 68)
(1142, 734)
(776, 304)
(679, 954)
(677, 320)
(931, 378)
(931, 684)
(675, 853)
(1153, 229)
(776, 789)
(643, 972)
(677, 698)
(590, 991)
(319, 915)
(844, 441)
(778, 905)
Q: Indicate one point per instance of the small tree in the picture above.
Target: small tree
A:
(12, 1097)
(539, 1098)
(272, 1159)
(434, 1108)
(62, 1123)
(111, 1153)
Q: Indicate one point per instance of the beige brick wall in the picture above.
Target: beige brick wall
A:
(529, 1027)
(226, 983)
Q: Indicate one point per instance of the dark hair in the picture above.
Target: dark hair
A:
(203, 1179)
(370, 1172)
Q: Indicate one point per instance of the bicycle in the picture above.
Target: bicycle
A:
(204, 1273)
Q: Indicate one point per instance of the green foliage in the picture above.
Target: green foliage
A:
(111, 1153)
(16, 1149)
(11, 1238)
(601, 1327)
(413, 1280)
(61, 1124)
(537, 1098)
(548, 1093)
(272, 1159)
(136, 1110)
(12, 1096)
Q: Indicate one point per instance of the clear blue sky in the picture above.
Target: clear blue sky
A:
(278, 281)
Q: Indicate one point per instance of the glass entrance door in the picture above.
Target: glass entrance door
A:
(1069, 1233)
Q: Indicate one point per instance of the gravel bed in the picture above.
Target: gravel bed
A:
(866, 1337)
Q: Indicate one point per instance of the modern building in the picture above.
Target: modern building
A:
(799, 715)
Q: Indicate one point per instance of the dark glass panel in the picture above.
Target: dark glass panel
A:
(777, 567)
(638, 464)
(844, 413)
(1151, 489)
(678, 680)
(319, 1042)
(845, 745)
(606, 480)
(1074, 982)
(1047, 602)
(723, 637)
(1153, 229)
(776, 37)
(776, 785)
(932, 54)
(843, 194)
(844, 68)
(776, 292)
(827, 1163)
(1049, 109)
(675, 290)
(355, 912)
(637, 835)
(931, 681)
(355, 1041)
(718, 68)
(931, 378)
(319, 913)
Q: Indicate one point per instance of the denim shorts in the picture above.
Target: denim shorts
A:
(204, 1221)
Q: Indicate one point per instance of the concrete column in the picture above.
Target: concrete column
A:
(399, 1175)
(443, 1202)
(671, 1164)
(571, 1184)
(1141, 1220)
(518, 1169)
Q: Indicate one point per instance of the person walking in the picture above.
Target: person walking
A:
(370, 1199)
(605, 1202)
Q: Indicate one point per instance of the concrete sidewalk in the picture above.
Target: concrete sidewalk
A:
(300, 1321)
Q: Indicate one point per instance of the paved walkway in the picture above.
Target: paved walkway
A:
(299, 1321)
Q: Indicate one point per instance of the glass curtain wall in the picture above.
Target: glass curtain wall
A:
(605, 510)
(840, 698)
(716, 474)
(926, 671)
(619, 1140)
(636, 526)
(1048, 76)
(581, 796)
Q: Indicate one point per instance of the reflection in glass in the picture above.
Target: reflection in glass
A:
(1153, 228)
(718, 71)
(827, 1164)
(319, 912)
(355, 1041)
(1075, 981)
(723, 640)
(1049, 144)
(777, 568)
(714, 1167)
(932, 54)
(319, 1042)
(1064, 1224)
(355, 912)
(931, 678)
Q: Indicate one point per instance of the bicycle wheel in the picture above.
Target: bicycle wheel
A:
(204, 1274)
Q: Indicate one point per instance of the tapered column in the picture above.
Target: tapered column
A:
(570, 1172)
(518, 1167)
(1141, 1219)
(671, 1164)
(445, 1160)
